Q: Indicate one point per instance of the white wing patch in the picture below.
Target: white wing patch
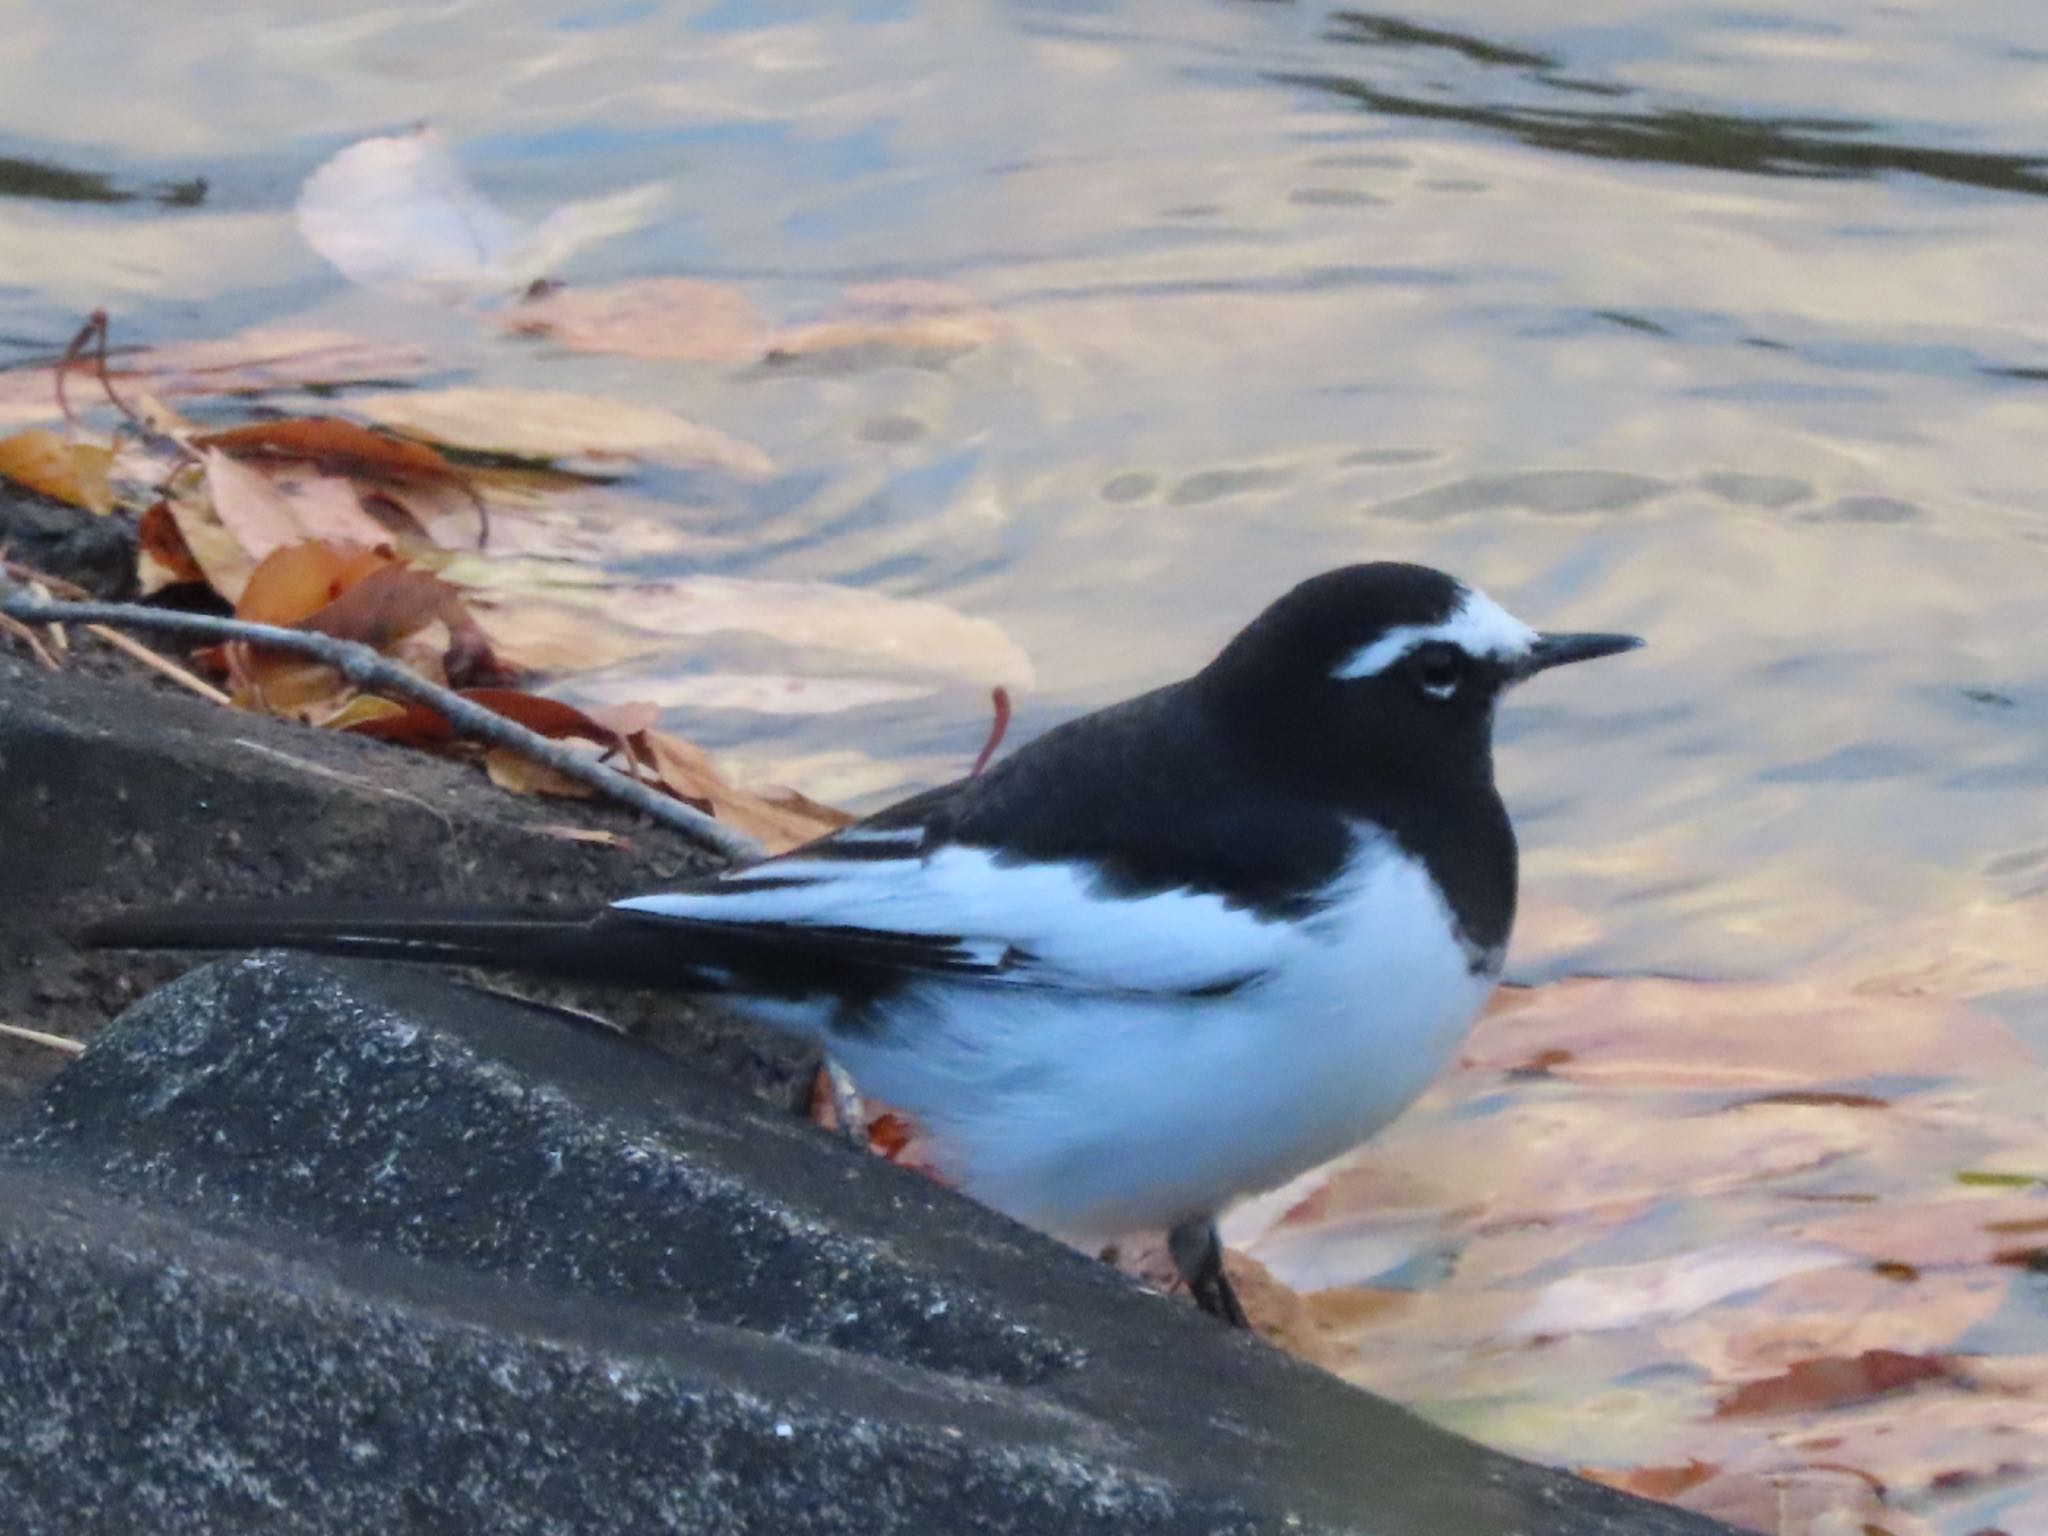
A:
(1044, 924)
(1480, 627)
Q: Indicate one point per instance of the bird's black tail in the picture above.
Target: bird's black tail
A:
(590, 946)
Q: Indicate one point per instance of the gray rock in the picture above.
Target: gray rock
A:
(115, 793)
(304, 1246)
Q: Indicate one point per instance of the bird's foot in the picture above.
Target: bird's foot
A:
(1198, 1255)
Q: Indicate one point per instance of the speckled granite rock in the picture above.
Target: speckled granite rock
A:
(302, 1246)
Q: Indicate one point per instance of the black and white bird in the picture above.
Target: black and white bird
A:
(1169, 954)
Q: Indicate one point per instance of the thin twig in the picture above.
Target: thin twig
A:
(32, 640)
(366, 669)
(85, 334)
(64, 1043)
(156, 663)
(99, 325)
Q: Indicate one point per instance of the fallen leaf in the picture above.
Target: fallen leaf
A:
(522, 775)
(671, 318)
(1626, 1296)
(1660, 1483)
(336, 446)
(1960, 1230)
(1832, 1383)
(1663, 1033)
(1836, 1313)
(263, 518)
(163, 559)
(1935, 1439)
(54, 466)
(293, 583)
(396, 213)
(621, 619)
(762, 693)
(1797, 1501)
(686, 770)
(553, 426)
(878, 321)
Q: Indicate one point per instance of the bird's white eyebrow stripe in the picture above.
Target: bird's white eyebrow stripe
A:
(1479, 627)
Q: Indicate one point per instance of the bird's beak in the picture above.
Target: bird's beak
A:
(1556, 650)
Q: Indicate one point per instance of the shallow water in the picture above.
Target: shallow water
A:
(1724, 324)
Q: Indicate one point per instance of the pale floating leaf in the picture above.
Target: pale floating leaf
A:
(619, 619)
(875, 322)
(556, 425)
(1965, 1229)
(671, 318)
(1663, 1033)
(763, 693)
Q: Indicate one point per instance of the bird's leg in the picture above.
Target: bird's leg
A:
(1198, 1255)
(847, 1107)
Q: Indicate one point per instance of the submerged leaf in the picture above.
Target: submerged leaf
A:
(672, 318)
(1832, 1383)
(548, 426)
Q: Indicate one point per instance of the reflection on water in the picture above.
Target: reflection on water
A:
(1646, 130)
(1724, 325)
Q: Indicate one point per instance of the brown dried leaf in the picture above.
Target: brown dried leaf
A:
(1812, 1385)
(54, 466)
(263, 517)
(672, 318)
(294, 583)
(686, 772)
(336, 446)
(163, 559)
(523, 776)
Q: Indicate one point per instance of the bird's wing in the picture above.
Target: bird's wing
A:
(892, 896)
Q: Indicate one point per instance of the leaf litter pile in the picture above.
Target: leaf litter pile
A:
(1772, 1252)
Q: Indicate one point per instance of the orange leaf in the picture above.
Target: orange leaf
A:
(295, 582)
(45, 462)
(547, 717)
(164, 559)
(387, 604)
(686, 772)
(337, 446)
(523, 776)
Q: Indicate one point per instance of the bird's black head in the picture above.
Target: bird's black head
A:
(1387, 671)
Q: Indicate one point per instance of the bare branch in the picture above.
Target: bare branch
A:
(366, 669)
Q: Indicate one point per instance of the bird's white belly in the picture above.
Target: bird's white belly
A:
(1094, 1115)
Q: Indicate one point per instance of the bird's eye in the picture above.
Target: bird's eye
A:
(1437, 669)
